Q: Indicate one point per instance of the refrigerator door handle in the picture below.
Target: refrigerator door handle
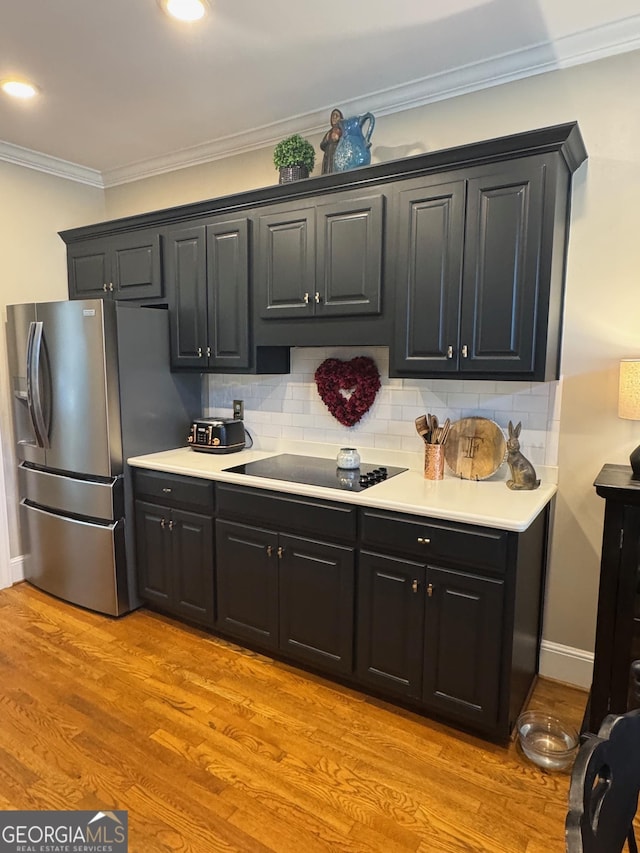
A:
(34, 399)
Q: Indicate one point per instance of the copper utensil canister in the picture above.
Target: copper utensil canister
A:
(433, 461)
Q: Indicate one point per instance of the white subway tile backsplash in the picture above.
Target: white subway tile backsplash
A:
(289, 407)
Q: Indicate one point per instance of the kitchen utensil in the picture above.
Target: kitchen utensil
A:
(422, 427)
(475, 448)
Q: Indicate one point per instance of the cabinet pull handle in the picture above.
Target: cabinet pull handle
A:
(208, 352)
(199, 352)
(171, 525)
(305, 299)
(111, 286)
(449, 351)
(465, 351)
(317, 298)
(162, 523)
(167, 491)
(414, 585)
(280, 551)
(430, 590)
(104, 287)
(269, 550)
(423, 540)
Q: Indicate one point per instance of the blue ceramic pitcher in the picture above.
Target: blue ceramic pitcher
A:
(353, 149)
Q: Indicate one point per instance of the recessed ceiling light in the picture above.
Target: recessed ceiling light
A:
(185, 10)
(18, 88)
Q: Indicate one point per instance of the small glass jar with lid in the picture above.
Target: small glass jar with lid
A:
(348, 457)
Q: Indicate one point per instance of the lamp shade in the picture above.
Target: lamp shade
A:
(629, 389)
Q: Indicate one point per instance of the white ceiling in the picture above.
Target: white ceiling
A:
(126, 92)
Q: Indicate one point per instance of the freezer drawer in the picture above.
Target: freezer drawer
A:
(72, 495)
(82, 562)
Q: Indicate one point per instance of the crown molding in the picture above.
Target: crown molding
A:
(575, 49)
(51, 165)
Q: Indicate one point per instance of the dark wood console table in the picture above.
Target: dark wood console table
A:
(618, 625)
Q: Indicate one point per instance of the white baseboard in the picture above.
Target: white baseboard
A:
(564, 663)
(17, 569)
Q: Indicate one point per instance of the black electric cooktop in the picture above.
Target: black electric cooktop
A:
(317, 472)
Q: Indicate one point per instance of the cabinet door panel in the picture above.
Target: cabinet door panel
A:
(136, 267)
(153, 554)
(463, 645)
(228, 293)
(390, 623)
(185, 254)
(428, 257)
(349, 257)
(192, 557)
(89, 269)
(501, 277)
(247, 582)
(316, 602)
(285, 269)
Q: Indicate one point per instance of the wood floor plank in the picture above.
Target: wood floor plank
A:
(211, 747)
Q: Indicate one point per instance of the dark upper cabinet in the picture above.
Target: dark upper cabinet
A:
(505, 267)
(207, 266)
(428, 263)
(126, 266)
(479, 271)
(462, 249)
(321, 259)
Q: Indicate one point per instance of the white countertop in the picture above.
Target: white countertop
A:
(487, 502)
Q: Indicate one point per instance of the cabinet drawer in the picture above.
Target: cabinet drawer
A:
(298, 514)
(430, 539)
(173, 490)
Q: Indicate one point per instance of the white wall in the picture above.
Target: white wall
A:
(602, 293)
(33, 208)
(289, 406)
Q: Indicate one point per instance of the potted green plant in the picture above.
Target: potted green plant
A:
(294, 157)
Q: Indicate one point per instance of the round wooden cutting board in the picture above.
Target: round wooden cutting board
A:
(475, 448)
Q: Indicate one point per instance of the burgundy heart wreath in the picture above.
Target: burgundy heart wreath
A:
(348, 388)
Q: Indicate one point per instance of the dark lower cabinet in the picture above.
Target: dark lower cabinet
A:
(440, 616)
(390, 624)
(431, 634)
(464, 629)
(448, 616)
(175, 545)
(316, 602)
(247, 583)
(287, 593)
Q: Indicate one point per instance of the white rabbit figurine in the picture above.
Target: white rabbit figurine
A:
(523, 474)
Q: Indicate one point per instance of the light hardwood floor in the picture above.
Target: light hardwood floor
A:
(214, 748)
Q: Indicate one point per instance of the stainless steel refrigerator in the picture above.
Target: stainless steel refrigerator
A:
(91, 386)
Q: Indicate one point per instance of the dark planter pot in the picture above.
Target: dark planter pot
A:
(292, 173)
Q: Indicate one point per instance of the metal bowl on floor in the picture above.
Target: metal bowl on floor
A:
(547, 741)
